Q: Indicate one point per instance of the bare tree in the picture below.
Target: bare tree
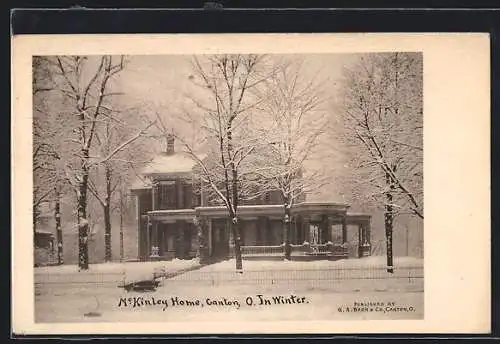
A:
(43, 150)
(76, 131)
(115, 139)
(293, 122)
(49, 147)
(225, 84)
(382, 113)
(86, 85)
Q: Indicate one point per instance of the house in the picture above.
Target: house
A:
(43, 238)
(44, 248)
(176, 221)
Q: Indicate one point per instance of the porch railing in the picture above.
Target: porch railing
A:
(271, 250)
(304, 249)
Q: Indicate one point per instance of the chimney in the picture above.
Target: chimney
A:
(170, 144)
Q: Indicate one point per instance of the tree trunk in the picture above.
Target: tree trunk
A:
(57, 216)
(234, 198)
(235, 228)
(107, 216)
(389, 217)
(107, 232)
(122, 255)
(83, 224)
(83, 232)
(36, 213)
(201, 227)
(287, 224)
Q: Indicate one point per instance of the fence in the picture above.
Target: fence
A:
(323, 277)
(357, 279)
(379, 249)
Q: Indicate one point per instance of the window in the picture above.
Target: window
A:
(191, 195)
(168, 196)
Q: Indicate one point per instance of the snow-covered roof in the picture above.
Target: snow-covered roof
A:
(179, 163)
(140, 183)
(173, 163)
(40, 232)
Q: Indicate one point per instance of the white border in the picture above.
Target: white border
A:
(456, 172)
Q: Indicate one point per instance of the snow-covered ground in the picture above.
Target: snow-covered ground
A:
(110, 272)
(114, 266)
(362, 263)
(348, 275)
(323, 285)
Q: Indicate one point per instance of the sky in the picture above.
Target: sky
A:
(161, 79)
(160, 83)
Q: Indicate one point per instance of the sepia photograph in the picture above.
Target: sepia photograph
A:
(232, 187)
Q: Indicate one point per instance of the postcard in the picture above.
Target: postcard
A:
(251, 183)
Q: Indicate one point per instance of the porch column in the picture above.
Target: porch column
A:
(367, 244)
(255, 223)
(367, 233)
(267, 229)
(139, 227)
(361, 239)
(180, 247)
(260, 225)
(329, 228)
(210, 246)
(161, 239)
(298, 230)
(306, 230)
(365, 237)
(241, 227)
(154, 240)
(147, 243)
(154, 195)
(344, 229)
(322, 230)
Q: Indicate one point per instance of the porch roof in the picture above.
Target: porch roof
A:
(320, 208)
(359, 216)
(140, 184)
(243, 211)
(252, 211)
(173, 215)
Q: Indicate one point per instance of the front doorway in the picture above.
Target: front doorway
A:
(318, 233)
(220, 238)
(167, 239)
(315, 236)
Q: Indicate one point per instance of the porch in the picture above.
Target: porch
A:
(317, 231)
